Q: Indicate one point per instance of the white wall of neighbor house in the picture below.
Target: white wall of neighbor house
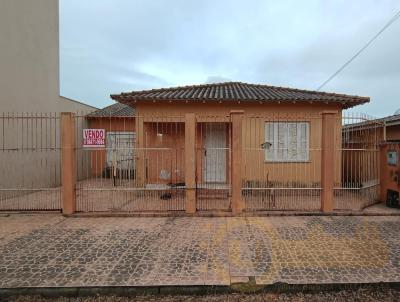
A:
(30, 85)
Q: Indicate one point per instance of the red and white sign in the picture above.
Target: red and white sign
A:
(94, 138)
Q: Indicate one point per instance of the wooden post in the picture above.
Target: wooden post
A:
(68, 163)
(140, 152)
(190, 162)
(383, 172)
(236, 161)
(328, 160)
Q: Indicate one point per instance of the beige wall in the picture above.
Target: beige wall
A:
(29, 58)
(29, 83)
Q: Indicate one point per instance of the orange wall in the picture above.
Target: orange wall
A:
(393, 133)
(388, 172)
(253, 164)
(164, 150)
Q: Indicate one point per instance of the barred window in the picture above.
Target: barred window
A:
(287, 141)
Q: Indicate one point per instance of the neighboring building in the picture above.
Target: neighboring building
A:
(29, 58)
(365, 135)
(367, 131)
(30, 97)
(391, 131)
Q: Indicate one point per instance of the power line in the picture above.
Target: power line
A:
(391, 21)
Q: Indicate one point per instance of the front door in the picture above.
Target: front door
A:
(214, 167)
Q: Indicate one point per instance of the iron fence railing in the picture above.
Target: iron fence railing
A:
(358, 153)
(281, 161)
(142, 165)
(141, 168)
(30, 161)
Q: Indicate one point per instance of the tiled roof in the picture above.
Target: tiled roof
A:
(238, 91)
(114, 110)
(391, 119)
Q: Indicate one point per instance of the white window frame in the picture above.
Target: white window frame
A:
(272, 142)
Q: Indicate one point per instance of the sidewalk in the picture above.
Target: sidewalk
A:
(54, 251)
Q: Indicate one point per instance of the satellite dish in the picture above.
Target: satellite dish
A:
(397, 112)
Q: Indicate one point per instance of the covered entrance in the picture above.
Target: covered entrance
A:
(213, 181)
(215, 153)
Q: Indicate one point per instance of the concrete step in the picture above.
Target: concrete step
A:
(212, 194)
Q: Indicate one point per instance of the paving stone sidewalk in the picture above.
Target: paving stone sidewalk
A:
(53, 251)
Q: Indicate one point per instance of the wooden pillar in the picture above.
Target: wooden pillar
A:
(328, 160)
(236, 161)
(190, 162)
(140, 152)
(383, 172)
(68, 163)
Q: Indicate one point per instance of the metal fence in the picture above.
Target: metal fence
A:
(141, 167)
(282, 161)
(30, 161)
(358, 153)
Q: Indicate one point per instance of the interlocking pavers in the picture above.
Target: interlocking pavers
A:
(50, 250)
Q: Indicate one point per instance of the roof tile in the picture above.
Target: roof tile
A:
(238, 91)
(114, 110)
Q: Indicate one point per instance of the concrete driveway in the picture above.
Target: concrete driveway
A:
(52, 251)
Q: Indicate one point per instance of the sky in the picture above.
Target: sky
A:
(113, 46)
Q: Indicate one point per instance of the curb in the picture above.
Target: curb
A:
(243, 288)
(222, 214)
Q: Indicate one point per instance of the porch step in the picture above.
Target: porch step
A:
(212, 193)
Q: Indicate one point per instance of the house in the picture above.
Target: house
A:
(391, 129)
(281, 139)
(369, 138)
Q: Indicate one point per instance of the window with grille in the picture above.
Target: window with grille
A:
(287, 141)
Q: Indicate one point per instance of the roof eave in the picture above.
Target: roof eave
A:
(345, 104)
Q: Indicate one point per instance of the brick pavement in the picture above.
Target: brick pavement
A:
(53, 251)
